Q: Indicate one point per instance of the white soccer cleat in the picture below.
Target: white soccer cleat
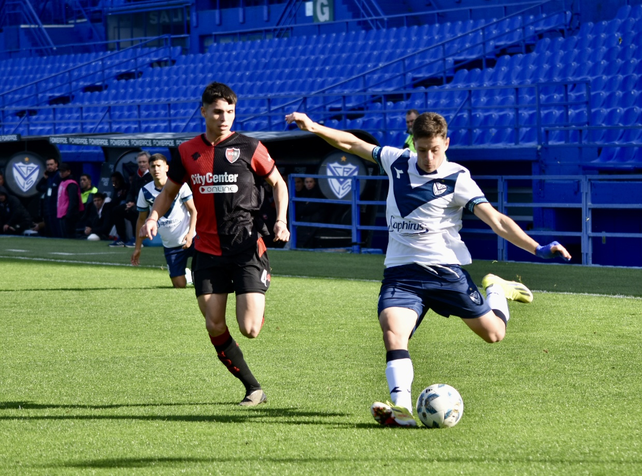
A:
(387, 414)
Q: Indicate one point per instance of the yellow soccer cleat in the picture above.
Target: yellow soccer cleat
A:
(513, 290)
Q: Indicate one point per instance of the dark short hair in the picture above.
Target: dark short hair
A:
(64, 167)
(215, 91)
(157, 157)
(55, 159)
(86, 175)
(412, 111)
(100, 195)
(429, 125)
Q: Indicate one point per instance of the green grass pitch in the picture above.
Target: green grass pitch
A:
(105, 369)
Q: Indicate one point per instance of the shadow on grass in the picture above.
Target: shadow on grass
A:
(465, 459)
(242, 415)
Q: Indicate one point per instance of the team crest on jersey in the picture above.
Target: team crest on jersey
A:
(439, 188)
(232, 154)
(475, 297)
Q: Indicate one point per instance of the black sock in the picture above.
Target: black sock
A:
(231, 355)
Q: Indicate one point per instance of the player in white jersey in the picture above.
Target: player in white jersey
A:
(425, 203)
(177, 227)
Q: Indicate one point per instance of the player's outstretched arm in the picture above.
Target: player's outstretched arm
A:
(345, 141)
(505, 227)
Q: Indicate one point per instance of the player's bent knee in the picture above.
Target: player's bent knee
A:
(250, 332)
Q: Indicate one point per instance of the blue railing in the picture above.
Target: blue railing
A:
(587, 201)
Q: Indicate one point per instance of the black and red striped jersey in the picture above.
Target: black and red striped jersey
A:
(226, 184)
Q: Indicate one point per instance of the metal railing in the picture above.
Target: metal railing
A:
(586, 202)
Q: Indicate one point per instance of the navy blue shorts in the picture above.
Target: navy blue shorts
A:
(177, 260)
(447, 290)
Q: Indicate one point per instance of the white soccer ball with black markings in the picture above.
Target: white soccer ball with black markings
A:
(440, 406)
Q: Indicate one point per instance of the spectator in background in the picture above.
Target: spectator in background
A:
(87, 189)
(411, 115)
(69, 202)
(177, 227)
(312, 212)
(298, 186)
(127, 212)
(98, 220)
(121, 189)
(48, 186)
(14, 217)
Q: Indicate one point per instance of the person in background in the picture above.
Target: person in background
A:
(87, 190)
(176, 228)
(48, 186)
(98, 221)
(121, 189)
(14, 217)
(127, 211)
(70, 204)
(411, 115)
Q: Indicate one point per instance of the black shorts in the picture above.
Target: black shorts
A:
(246, 272)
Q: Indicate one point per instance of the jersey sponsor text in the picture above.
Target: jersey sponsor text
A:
(198, 179)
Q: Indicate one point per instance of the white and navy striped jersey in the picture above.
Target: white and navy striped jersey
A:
(174, 225)
(424, 210)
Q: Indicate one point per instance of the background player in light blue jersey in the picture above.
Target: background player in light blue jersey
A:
(177, 227)
(424, 207)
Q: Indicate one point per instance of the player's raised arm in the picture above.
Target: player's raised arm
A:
(345, 141)
(506, 227)
(161, 205)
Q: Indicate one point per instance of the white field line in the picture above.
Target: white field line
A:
(53, 260)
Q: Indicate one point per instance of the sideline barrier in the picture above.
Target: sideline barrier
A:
(597, 200)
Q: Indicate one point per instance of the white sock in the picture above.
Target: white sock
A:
(400, 375)
(497, 300)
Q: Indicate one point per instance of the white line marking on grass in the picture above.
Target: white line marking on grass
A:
(62, 253)
(17, 251)
(52, 260)
(617, 296)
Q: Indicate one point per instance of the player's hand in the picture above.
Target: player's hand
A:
(302, 120)
(135, 259)
(149, 229)
(188, 241)
(281, 232)
(552, 250)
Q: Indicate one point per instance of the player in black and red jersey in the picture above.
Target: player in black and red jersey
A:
(225, 171)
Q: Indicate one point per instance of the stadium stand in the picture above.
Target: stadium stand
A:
(541, 77)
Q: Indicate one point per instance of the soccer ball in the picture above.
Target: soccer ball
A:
(440, 406)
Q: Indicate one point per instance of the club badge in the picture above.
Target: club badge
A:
(232, 154)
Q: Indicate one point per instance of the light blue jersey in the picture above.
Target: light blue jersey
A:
(424, 210)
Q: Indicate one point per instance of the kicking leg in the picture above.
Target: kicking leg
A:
(492, 326)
